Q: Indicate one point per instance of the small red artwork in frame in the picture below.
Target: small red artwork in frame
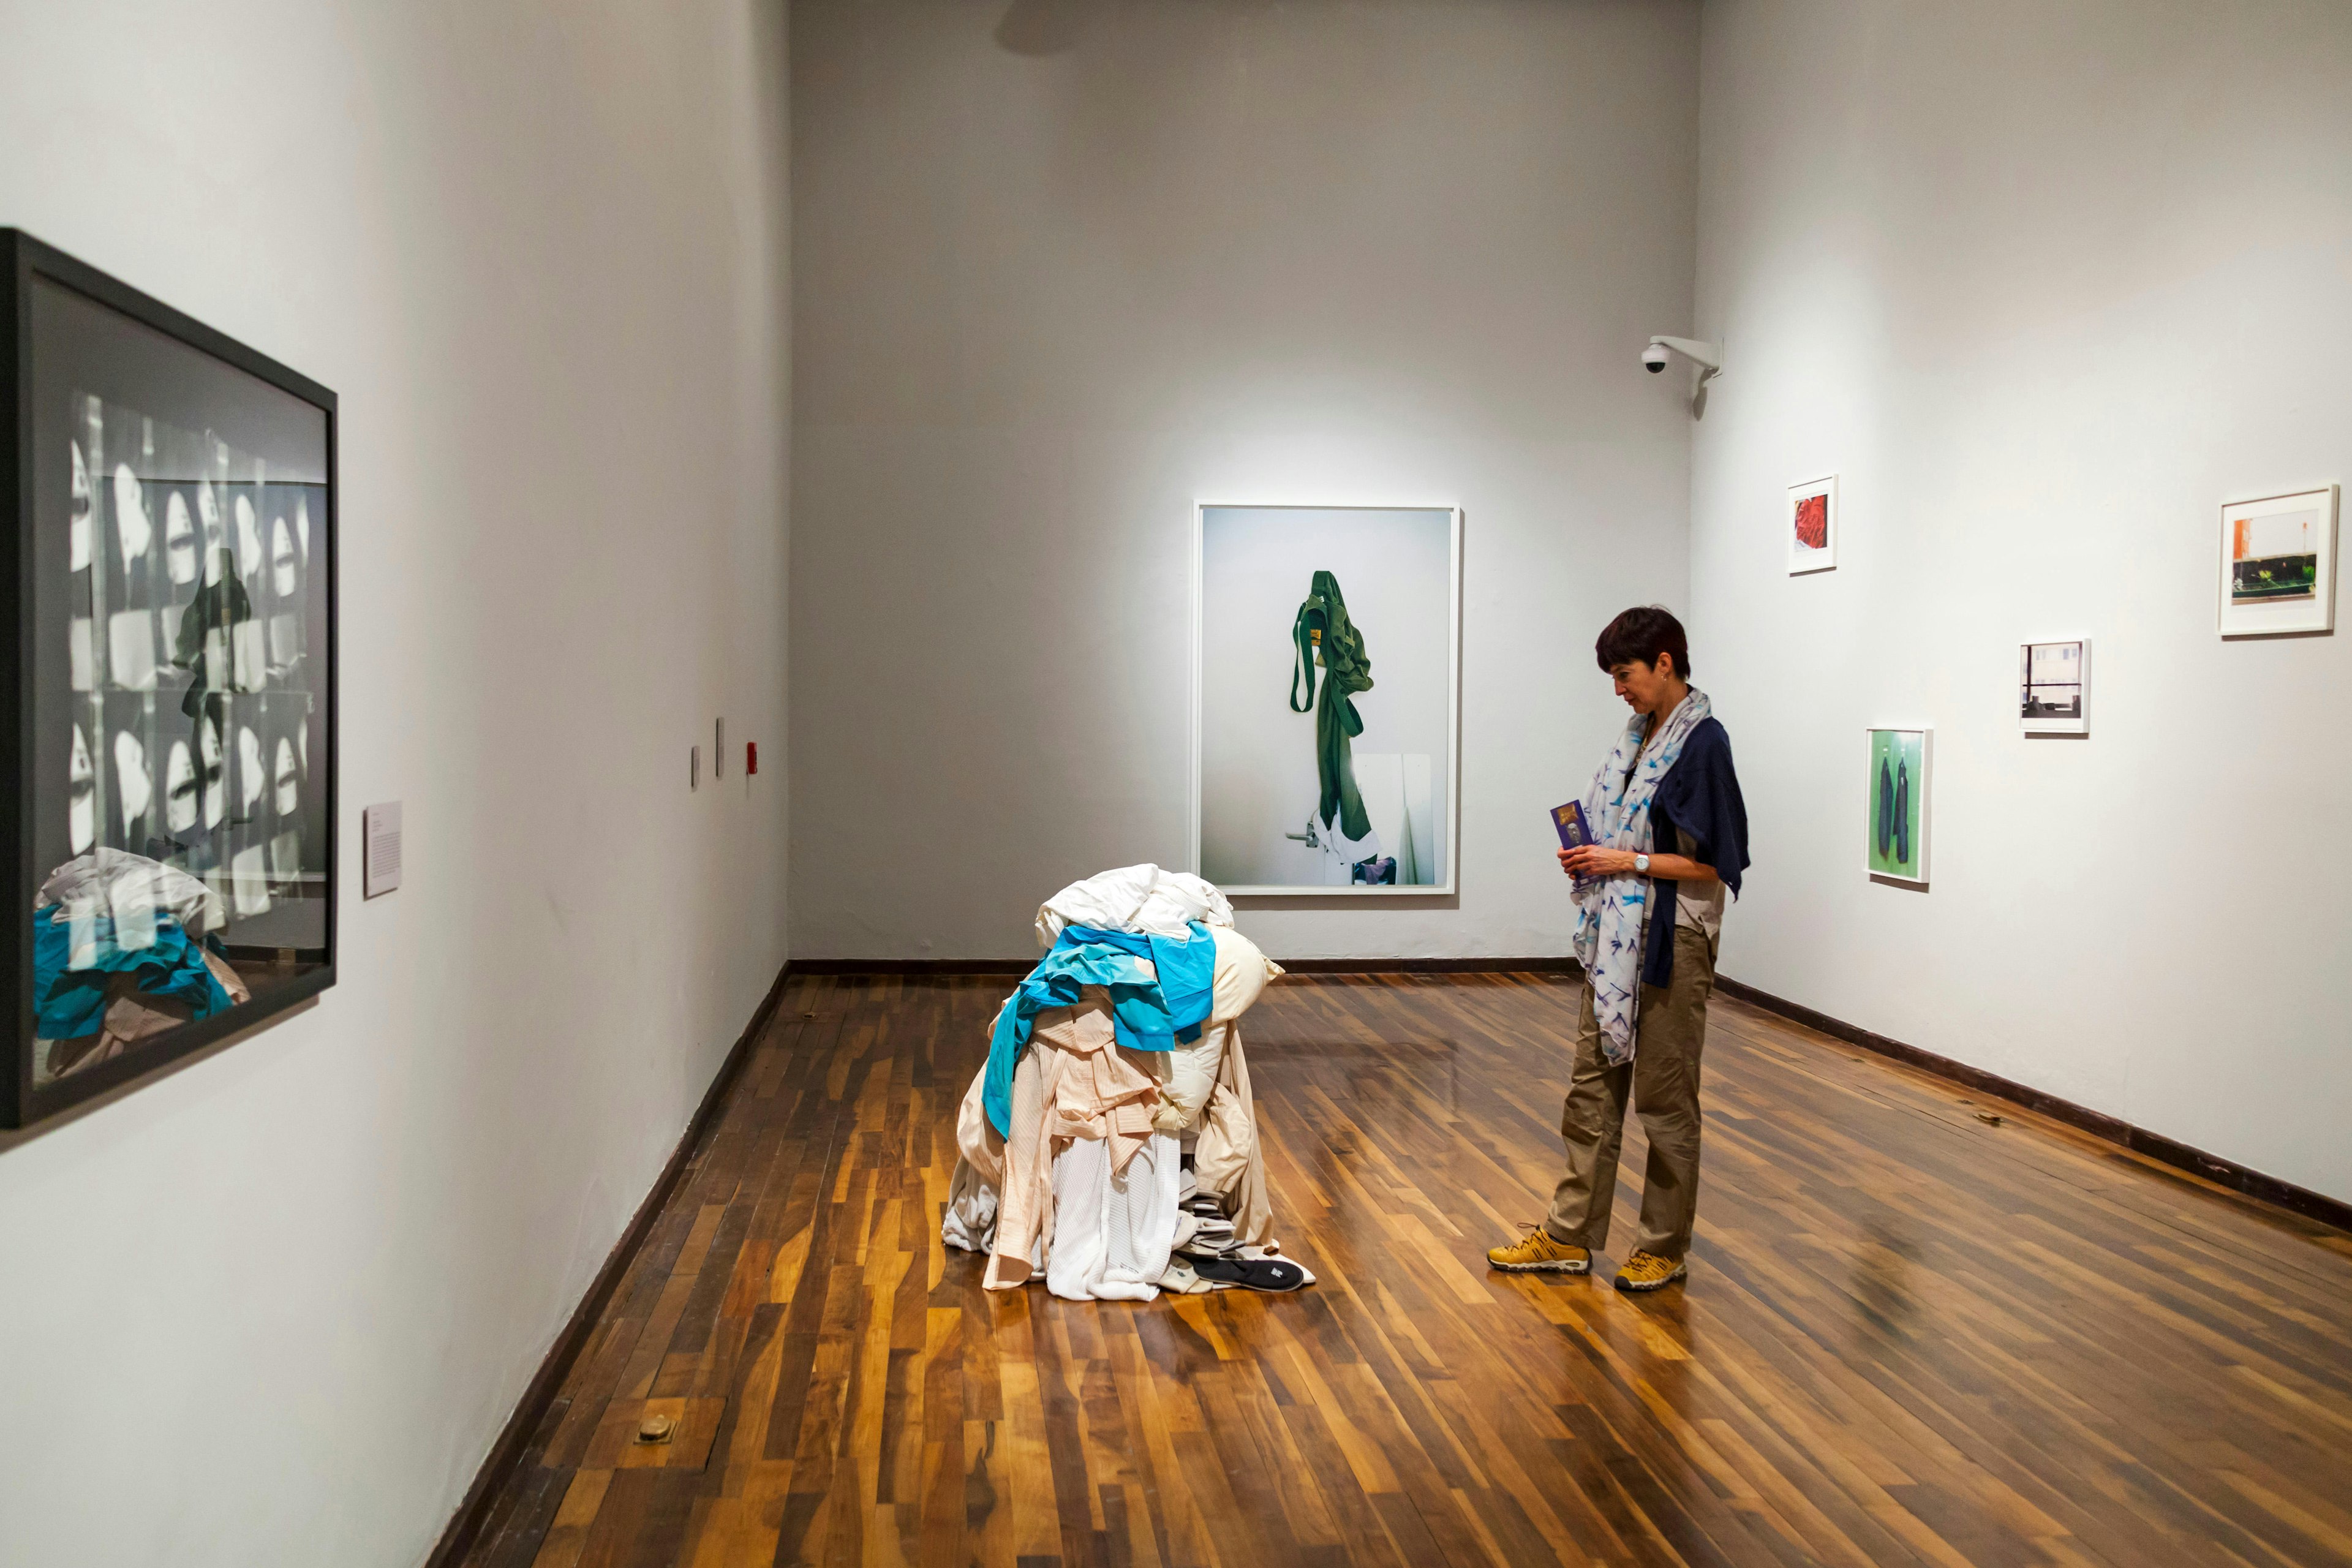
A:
(1814, 523)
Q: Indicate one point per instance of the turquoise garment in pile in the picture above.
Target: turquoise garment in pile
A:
(70, 1002)
(1160, 991)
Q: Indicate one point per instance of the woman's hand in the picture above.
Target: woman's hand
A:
(1592, 860)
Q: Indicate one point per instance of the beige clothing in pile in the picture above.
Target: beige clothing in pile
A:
(1074, 1081)
(1077, 1081)
(1227, 1158)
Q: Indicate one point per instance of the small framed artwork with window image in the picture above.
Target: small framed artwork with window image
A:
(2053, 687)
(1812, 526)
(2278, 565)
(1896, 791)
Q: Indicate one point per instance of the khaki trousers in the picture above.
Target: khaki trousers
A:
(1662, 1079)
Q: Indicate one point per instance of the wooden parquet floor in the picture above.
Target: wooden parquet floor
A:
(1909, 1336)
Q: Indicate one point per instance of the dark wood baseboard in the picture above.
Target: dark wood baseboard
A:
(1012, 966)
(473, 1513)
(2229, 1174)
(1019, 966)
(1429, 965)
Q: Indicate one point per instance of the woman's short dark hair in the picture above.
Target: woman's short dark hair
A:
(1639, 636)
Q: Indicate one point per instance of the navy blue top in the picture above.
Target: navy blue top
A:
(1700, 796)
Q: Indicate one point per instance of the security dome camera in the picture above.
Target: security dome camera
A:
(1708, 357)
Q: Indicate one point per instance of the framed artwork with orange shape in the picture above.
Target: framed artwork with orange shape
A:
(2278, 565)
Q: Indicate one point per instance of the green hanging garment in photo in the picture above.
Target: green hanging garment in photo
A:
(1886, 808)
(1903, 813)
(1324, 634)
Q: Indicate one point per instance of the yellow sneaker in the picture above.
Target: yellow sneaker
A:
(1537, 1253)
(1648, 1271)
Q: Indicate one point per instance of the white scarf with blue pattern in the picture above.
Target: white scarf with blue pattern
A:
(1610, 911)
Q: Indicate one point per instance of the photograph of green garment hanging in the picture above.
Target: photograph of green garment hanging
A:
(1348, 784)
(1327, 639)
(1897, 790)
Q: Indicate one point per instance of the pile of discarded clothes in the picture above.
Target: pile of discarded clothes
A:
(1110, 1144)
(121, 954)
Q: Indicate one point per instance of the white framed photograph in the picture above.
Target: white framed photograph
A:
(1325, 699)
(1900, 759)
(2278, 565)
(2053, 687)
(1812, 526)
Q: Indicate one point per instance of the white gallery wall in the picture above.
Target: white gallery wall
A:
(2046, 287)
(274, 1307)
(1063, 269)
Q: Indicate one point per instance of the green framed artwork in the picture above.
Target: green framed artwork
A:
(1897, 793)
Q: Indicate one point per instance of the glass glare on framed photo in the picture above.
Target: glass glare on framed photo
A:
(2278, 565)
(1897, 810)
(1325, 699)
(175, 760)
(2054, 688)
(1812, 526)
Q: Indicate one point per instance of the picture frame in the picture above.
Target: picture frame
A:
(2053, 678)
(1261, 778)
(2278, 564)
(1809, 526)
(1898, 794)
(169, 552)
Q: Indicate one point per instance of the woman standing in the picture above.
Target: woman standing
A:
(1671, 834)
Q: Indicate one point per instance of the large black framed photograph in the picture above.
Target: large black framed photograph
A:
(168, 557)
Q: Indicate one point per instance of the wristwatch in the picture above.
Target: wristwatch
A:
(1640, 865)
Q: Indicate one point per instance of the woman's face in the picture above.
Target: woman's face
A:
(281, 559)
(133, 531)
(1644, 686)
(251, 780)
(179, 539)
(80, 538)
(134, 791)
(81, 796)
(208, 749)
(180, 789)
(248, 539)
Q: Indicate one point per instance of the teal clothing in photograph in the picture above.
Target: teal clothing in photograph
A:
(69, 1003)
